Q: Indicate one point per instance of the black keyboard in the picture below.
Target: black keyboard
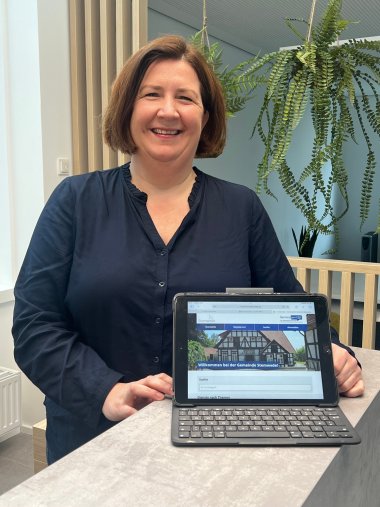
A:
(263, 422)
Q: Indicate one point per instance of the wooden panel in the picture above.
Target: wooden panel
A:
(78, 87)
(303, 276)
(346, 307)
(123, 32)
(93, 82)
(370, 310)
(139, 23)
(39, 446)
(108, 65)
(101, 39)
(123, 46)
(325, 283)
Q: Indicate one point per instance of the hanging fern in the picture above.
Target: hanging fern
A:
(326, 77)
(238, 82)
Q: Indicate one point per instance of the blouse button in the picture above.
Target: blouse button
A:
(161, 284)
(163, 252)
(157, 320)
(156, 359)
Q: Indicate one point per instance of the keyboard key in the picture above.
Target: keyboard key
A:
(257, 434)
(333, 434)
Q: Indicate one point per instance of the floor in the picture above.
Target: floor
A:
(16, 461)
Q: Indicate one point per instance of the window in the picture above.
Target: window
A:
(6, 272)
(21, 158)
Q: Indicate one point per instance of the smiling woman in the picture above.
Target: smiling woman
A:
(168, 116)
(116, 126)
(93, 310)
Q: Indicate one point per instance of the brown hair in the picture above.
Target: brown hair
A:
(117, 118)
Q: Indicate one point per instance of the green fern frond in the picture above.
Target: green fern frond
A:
(238, 82)
(289, 23)
(327, 77)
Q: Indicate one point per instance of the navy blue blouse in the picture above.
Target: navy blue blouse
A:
(94, 295)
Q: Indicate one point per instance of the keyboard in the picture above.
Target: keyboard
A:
(291, 423)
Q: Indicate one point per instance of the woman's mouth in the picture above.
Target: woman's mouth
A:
(166, 132)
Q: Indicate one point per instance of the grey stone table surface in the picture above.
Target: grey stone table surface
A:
(135, 464)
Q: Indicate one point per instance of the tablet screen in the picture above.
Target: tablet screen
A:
(269, 348)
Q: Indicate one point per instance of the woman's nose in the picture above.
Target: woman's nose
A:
(168, 108)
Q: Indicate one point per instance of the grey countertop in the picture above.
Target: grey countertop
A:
(135, 464)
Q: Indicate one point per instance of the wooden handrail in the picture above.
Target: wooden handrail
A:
(325, 269)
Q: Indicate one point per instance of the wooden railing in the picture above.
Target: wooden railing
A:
(325, 270)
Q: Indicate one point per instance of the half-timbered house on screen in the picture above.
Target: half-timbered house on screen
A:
(313, 361)
(244, 345)
(268, 346)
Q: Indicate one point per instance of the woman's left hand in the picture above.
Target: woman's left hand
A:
(348, 373)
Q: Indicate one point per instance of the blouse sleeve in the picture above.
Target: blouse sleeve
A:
(47, 347)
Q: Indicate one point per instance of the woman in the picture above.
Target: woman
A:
(93, 319)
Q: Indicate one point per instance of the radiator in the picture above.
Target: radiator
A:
(10, 403)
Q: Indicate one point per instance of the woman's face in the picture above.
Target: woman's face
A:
(168, 115)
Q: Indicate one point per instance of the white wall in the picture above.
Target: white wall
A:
(54, 52)
(38, 43)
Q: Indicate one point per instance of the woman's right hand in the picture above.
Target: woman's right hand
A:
(125, 399)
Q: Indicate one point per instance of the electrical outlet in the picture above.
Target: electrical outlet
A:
(63, 166)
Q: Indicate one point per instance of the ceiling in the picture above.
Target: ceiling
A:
(259, 24)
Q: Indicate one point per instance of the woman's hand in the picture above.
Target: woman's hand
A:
(125, 399)
(348, 373)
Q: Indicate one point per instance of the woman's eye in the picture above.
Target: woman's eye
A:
(151, 94)
(184, 97)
